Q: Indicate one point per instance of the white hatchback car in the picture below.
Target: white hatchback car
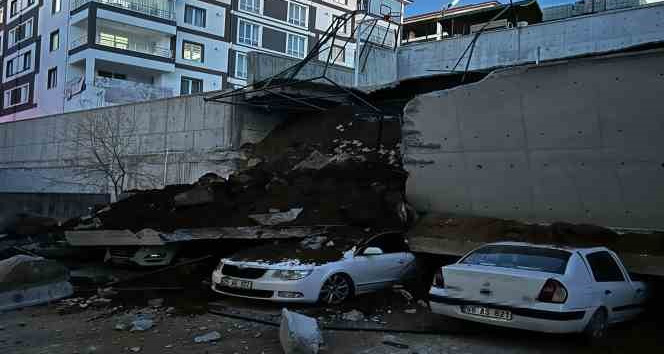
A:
(317, 268)
(540, 288)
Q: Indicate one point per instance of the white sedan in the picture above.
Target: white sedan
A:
(540, 288)
(318, 268)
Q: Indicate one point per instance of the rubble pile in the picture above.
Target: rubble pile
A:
(325, 169)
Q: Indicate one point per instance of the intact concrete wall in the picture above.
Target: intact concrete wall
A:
(263, 65)
(584, 35)
(577, 141)
(176, 139)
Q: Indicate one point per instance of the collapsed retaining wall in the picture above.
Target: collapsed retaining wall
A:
(577, 141)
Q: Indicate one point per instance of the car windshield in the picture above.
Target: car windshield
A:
(520, 257)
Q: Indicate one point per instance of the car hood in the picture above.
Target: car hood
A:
(311, 251)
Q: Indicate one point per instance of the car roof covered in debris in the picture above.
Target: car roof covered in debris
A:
(317, 249)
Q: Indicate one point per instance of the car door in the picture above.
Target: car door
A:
(382, 269)
(611, 284)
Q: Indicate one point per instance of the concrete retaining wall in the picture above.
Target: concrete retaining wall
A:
(177, 139)
(577, 141)
(583, 35)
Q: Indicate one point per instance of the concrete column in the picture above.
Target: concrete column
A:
(89, 71)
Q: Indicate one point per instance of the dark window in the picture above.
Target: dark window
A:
(190, 85)
(56, 6)
(192, 51)
(520, 257)
(604, 267)
(194, 15)
(13, 8)
(55, 41)
(9, 70)
(111, 75)
(27, 61)
(389, 243)
(52, 78)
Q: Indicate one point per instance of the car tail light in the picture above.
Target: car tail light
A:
(553, 291)
(438, 280)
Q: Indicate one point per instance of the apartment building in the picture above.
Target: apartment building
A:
(66, 55)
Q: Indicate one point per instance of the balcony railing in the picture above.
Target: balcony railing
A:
(161, 9)
(125, 43)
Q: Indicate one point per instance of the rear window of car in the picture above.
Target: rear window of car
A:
(520, 257)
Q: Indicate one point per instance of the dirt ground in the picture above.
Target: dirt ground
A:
(44, 329)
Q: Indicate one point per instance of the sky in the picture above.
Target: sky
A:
(422, 6)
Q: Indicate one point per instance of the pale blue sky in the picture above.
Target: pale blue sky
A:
(422, 6)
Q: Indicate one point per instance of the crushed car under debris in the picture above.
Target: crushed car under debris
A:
(318, 268)
(540, 288)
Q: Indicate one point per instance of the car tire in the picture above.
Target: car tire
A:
(336, 289)
(596, 328)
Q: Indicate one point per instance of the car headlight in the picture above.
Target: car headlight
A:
(291, 274)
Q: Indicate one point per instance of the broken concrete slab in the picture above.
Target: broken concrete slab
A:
(27, 281)
(237, 233)
(299, 334)
(83, 238)
(272, 219)
(208, 337)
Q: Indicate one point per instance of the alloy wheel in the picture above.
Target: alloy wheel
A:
(335, 290)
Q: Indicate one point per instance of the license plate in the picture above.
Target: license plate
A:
(502, 315)
(236, 283)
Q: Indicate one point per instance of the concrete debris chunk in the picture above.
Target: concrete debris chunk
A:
(195, 196)
(142, 322)
(135, 349)
(299, 334)
(353, 315)
(208, 337)
(272, 219)
(315, 161)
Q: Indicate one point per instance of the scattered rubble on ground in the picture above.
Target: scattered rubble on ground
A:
(353, 315)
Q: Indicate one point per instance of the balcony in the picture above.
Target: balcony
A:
(109, 91)
(125, 43)
(161, 9)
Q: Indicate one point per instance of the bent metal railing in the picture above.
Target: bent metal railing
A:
(162, 9)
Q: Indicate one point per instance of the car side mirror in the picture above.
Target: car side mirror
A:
(372, 251)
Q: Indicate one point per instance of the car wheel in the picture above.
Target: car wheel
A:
(597, 327)
(336, 289)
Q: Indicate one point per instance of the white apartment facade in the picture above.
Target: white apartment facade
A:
(66, 55)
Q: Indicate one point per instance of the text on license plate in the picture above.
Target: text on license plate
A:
(487, 312)
(236, 283)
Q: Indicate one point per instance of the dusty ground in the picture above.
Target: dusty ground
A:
(43, 329)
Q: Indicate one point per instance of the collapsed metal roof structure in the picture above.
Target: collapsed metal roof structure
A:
(378, 27)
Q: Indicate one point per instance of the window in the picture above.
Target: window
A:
(251, 5)
(56, 6)
(194, 16)
(241, 65)
(55, 41)
(13, 8)
(18, 64)
(192, 51)
(110, 75)
(52, 80)
(248, 33)
(344, 28)
(295, 45)
(189, 85)
(20, 32)
(17, 96)
(338, 54)
(297, 14)
(112, 40)
(604, 267)
(520, 257)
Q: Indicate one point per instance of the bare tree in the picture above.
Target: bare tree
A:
(104, 154)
